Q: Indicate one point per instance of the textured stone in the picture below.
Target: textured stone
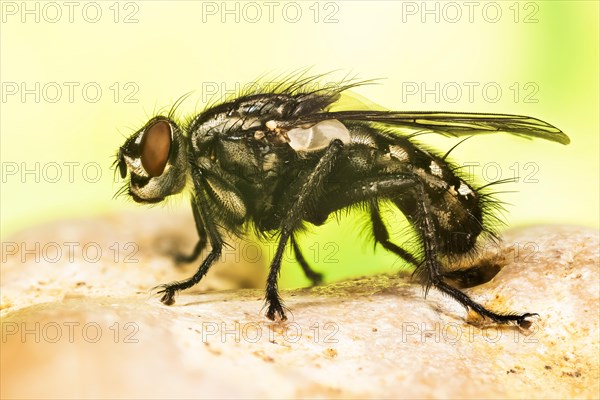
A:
(99, 334)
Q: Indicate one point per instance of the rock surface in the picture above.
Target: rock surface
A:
(72, 328)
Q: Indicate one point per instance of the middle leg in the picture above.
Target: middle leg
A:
(314, 276)
(312, 185)
(382, 236)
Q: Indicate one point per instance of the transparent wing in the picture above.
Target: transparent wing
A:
(450, 124)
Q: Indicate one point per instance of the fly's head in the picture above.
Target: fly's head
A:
(155, 157)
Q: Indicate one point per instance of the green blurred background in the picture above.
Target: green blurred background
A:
(143, 55)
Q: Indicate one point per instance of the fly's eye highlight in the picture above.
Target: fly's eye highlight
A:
(155, 147)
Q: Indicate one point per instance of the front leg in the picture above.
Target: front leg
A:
(204, 223)
(202, 239)
(169, 290)
(293, 217)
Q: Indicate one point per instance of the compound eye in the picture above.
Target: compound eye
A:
(155, 147)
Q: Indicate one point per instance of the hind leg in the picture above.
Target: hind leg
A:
(388, 186)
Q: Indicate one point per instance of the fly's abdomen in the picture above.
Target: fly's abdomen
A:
(454, 205)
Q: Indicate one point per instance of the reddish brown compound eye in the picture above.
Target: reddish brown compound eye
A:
(155, 148)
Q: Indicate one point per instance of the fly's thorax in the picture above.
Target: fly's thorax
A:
(219, 140)
(234, 156)
(230, 120)
(156, 158)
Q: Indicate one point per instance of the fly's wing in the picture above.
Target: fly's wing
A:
(351, 101)
(449, 124)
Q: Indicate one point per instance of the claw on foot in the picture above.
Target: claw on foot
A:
(523, 322)
(274, 310)
(168, 294)
(316, 279)
(168, 299)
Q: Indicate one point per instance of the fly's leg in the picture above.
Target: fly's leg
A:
(168, 290)
(382, 236)
(473, 276)
(315, 277)
(202, 241)
(389, 186)
(433, 271)
(273, 300)
(311, 186)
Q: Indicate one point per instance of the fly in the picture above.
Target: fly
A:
(274, 161)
